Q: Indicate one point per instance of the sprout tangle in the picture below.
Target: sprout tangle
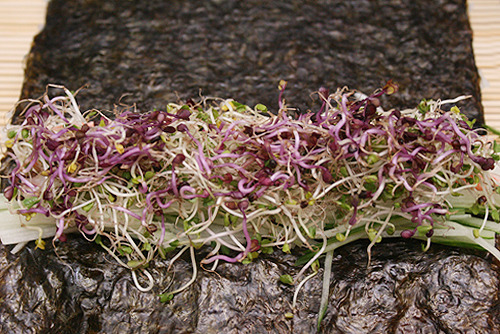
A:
(243, 181)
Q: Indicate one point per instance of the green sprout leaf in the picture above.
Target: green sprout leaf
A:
(135, 263)
(29, 202)
(88, 207)
(40, 244)
(260, 107)
(475, 209)
(98, 240)
(423, 229)
(149, 175)
(11, 134)
(239, 106)
(209, 201)
(340, 236)
(371, 183)
(423, 107)
(315, 266)
(495, 215)
(166, 297)
(229, 219)
(125, 250)
(475, 232)
(286, 279)
(267, 250)
(372, 234)
(312, 232)
(264, 248)
(146, 247)
(344, 172)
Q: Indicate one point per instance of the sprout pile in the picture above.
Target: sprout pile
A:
(243, 181)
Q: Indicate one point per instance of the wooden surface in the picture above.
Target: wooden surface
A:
(485, 20)
(20, 20)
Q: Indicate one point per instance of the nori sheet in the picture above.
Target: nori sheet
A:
(153, 52)
(78, 289)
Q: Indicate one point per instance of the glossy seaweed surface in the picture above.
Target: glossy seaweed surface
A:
(81, 290)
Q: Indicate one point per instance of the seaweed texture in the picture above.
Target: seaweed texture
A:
(150, 53)
(403, 291)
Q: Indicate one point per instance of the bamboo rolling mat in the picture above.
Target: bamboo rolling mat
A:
(484, 17)
(21, 20)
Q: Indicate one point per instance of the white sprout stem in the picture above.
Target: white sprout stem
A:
(219, 237)
(378, 235)
(235, 240)
(317, 195)
(486, 208)
(75, 208)
(139, 287)
(78, 116)
(299, 287)
(427, 245)
(295, 226)
(193, 277)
